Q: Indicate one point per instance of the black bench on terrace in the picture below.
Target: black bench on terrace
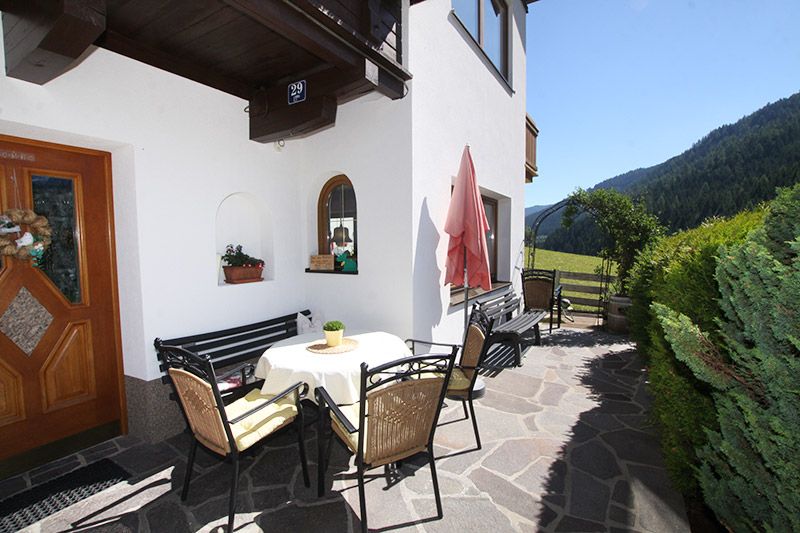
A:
(509, 329)
(232, 350)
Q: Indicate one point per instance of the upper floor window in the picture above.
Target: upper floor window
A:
(337, 230)
(487, 22)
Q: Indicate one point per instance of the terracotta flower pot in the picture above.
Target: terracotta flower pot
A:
(334, 338)
(242, 274)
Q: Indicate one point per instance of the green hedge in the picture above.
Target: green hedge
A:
(749, 469)
(679, 273)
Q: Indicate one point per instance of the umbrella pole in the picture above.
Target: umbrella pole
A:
(466, 291)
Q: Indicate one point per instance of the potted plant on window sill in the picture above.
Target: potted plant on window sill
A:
(240, 267)
(334, 332)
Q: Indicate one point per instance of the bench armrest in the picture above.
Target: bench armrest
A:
(324, 399)
(300, 387)
(414, 343)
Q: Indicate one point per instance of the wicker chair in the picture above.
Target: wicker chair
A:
(228, 430)
(540, 292)
(395, 418)
(462, 380)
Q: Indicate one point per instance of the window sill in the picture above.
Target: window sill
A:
(309, 271)
(484, 56)
(457, 295)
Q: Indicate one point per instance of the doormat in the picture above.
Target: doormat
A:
(41, 501)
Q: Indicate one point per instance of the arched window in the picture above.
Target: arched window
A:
(337, 231)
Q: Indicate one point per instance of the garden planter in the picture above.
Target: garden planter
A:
(242, 274)
(617, 320)
(334, 338)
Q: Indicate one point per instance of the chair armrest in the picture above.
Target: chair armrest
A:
(301, 393)
(323, 398)
(430, 343)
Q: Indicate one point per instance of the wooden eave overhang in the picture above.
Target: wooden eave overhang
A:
(252, 49)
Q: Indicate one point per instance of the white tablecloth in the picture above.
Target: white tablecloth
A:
(288, 362)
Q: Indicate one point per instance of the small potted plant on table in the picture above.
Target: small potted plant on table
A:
(240, 267)
(334, 332)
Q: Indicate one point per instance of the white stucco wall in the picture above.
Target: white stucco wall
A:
(179, 149)
(459, 99)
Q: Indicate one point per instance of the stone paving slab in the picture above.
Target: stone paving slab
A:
(566, 447)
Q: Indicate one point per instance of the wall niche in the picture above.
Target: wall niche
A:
(242, 219)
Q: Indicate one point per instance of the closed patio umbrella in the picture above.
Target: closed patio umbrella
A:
(467, 253)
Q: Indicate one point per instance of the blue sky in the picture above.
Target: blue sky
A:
(620, 84)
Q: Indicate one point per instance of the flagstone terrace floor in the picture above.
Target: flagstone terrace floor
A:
(566, 447)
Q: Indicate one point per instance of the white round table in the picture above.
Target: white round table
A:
(286, 362)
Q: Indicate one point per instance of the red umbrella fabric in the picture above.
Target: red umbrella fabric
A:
(467, 226)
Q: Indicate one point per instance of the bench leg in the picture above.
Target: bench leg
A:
(518, 352)
(538, 335)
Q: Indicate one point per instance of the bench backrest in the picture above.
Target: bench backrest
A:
(501, 307)
(235, 345)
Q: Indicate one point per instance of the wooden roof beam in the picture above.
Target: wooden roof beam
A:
(281, 17)
(272, 118)
(134, 49)
(326, 18)
(44, 38)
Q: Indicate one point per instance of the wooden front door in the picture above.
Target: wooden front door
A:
(60, 356)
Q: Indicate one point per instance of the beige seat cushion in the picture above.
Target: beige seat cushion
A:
(458, 381)
(351, 413)
(261, 423)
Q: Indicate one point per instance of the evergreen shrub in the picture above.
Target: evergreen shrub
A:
(749, 470)
(678, 272)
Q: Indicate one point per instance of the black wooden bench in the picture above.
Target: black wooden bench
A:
(229, 348)
(511, 324)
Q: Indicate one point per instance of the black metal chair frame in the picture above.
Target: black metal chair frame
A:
(414, 367)
(202, 367)
(485, 323)
(555, 291)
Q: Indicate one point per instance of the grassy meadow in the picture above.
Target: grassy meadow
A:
(551, 260)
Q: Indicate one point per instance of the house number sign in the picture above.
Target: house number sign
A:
(297, 92)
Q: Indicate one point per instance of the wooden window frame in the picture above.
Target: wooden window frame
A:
(504, 68)
(323, 216)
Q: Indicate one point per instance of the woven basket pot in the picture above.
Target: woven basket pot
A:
(334, 338)
(242, 274)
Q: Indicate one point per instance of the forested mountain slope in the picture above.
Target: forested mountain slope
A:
(732, 168)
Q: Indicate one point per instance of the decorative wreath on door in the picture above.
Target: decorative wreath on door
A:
(28, 244)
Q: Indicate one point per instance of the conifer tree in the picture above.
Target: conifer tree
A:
(750, 468)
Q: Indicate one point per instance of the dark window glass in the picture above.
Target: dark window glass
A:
(487, 22)
(490, 206)
(494, 33)
(467, 11)
(54, 198)
(337, 223)
(342, 219)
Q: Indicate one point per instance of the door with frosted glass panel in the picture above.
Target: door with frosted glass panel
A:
(60, 365)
